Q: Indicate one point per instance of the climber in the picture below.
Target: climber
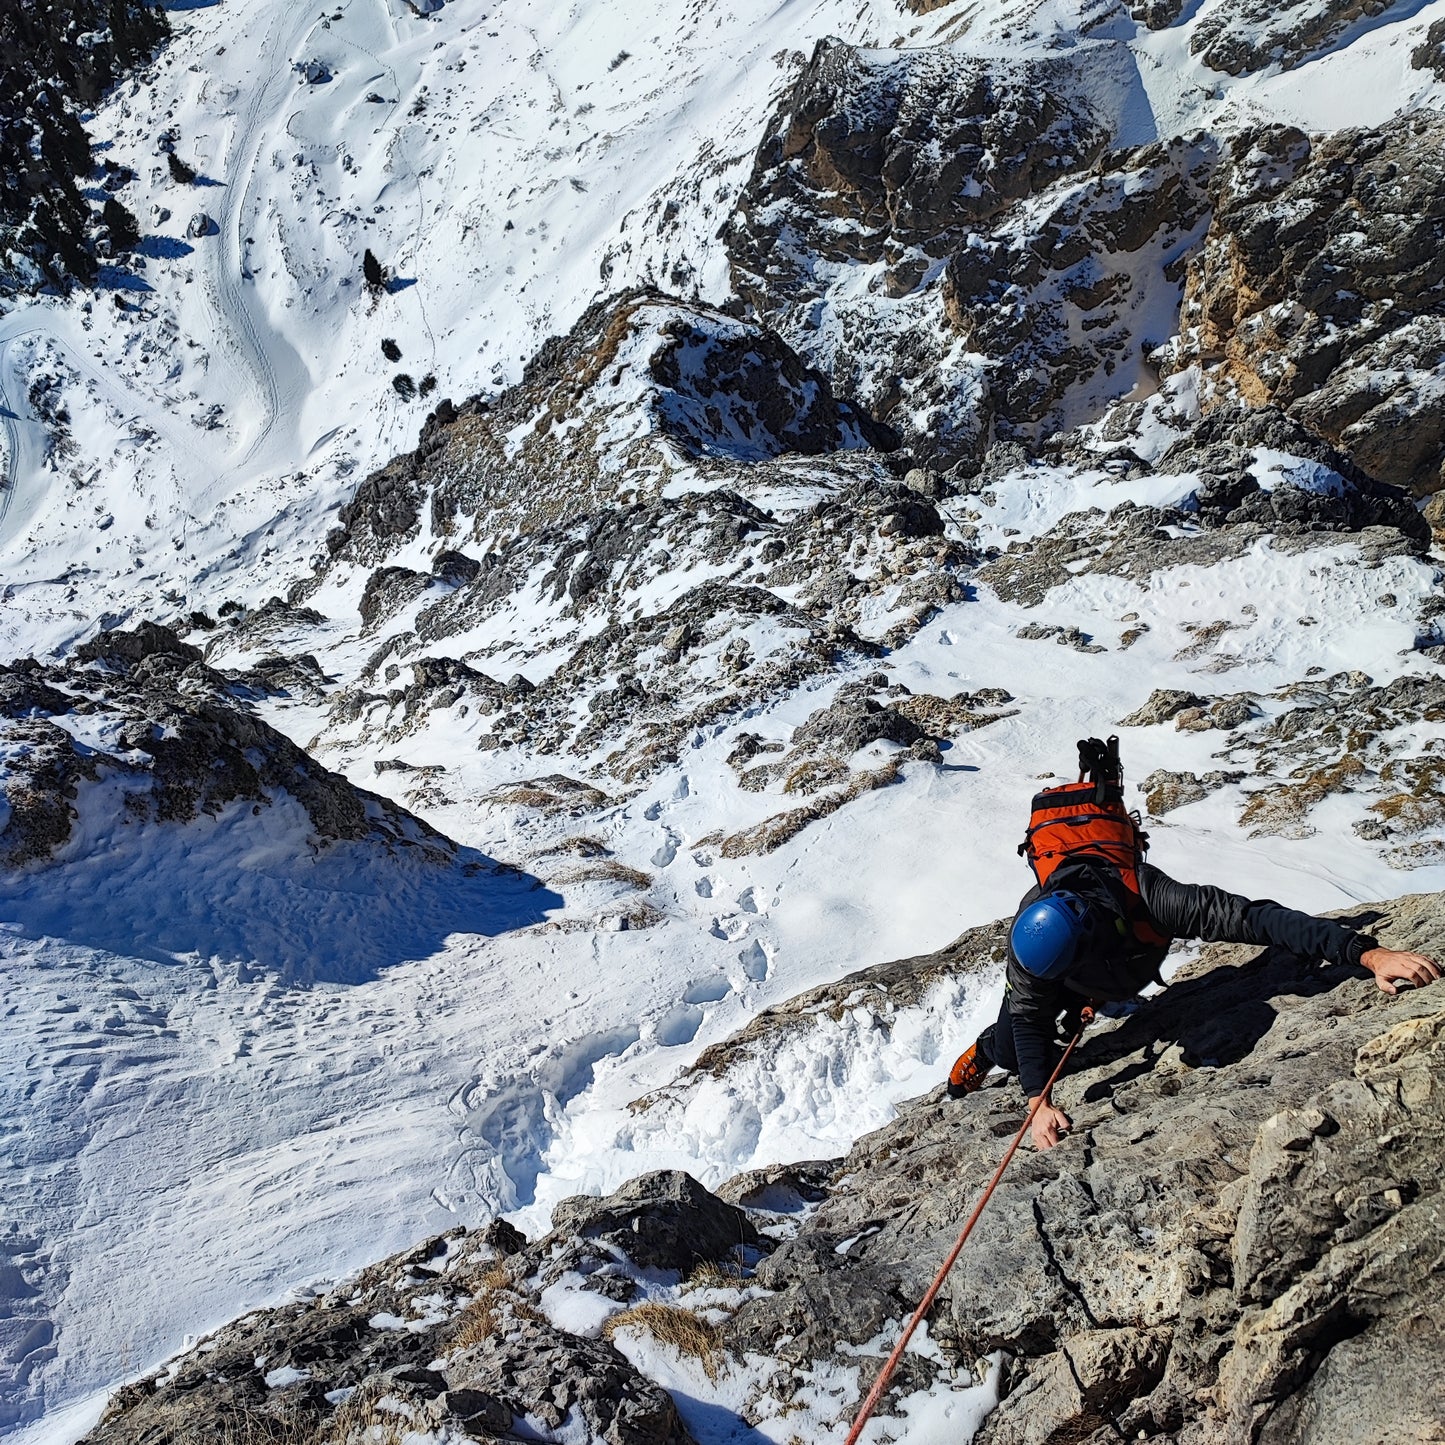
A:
(1097, 925)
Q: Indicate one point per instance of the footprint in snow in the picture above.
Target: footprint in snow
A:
(666, 852)
(711, 990)
(755, 961)
(679, 1025)
(704, 887)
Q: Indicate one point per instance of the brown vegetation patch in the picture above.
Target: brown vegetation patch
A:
(1282, 810)
(554, 793)
(605, 870)
(773, 832)
(687, 1333)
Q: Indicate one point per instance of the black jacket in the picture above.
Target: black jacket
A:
(1121, 967)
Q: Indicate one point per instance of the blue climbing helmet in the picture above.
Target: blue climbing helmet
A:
(1050, 933)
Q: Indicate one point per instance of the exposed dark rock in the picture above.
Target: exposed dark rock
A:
(1318, 288)
(388, 590)
(149, 639)
(1250, 35)
(780, 1188)
(456, 569)
(1343, 734)
(664, 1220)
(1157, 14)
(1059, 292)
(183, 738)
(702, 389)
(25, 690)
(558, 1379)
(43, 778)
(1430, 53)
(1064, 636)
(280, 676)
(852, 723)
(909, 150)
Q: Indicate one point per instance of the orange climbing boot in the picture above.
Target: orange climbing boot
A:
(968, 1072)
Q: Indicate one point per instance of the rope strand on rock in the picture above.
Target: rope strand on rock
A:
(921, 1313)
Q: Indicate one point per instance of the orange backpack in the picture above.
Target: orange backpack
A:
(1088, 820)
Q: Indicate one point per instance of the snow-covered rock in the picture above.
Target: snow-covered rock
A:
(1318, 286)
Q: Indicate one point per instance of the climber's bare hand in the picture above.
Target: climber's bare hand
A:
(1392, 968)
(1050, 1125)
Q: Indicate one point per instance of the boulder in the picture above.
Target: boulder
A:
(663, 1220)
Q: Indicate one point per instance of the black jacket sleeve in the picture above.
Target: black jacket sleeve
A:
(1197, 910)
(1034, 1005)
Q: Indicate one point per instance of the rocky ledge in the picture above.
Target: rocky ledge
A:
(1239, 1242)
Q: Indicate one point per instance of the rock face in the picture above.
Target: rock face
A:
(905, 152)
(1249, 36)
(1318, 289)
(643, 388)
(1250, 1187)
(178, 737)
(888, 163)
(1063, 285)
(1242, 1225)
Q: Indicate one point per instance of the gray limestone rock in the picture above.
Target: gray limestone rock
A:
(1429, 54)
(665, 1220)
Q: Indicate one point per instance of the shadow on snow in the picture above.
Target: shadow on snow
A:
(212, 893)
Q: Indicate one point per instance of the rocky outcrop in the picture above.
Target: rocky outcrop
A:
(1242, 1225)
(1248, 36)
(697, 654)
(438, 1339)
(893, 161)
(1429, 54)
(644, 387)
(894, 157)
(1221, 518)
(1318, 289)
(175, 736)
(1062, 287)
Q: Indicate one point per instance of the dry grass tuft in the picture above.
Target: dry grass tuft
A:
(579, 845)
(686, 1332)
(817, 773)
(709, 1274)
(362, 1420)
(607, 870)
(773, 832)
(554, 793)
(482, 1318)
(1283, 809)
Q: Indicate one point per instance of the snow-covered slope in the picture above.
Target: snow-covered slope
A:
(652, 616)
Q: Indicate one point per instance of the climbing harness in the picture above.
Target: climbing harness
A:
(921, 1313)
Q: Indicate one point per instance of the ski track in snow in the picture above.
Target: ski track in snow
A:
(187, 1134)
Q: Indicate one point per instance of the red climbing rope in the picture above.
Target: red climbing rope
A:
(921, 1313)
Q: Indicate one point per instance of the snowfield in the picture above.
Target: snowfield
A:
(230, 1069)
